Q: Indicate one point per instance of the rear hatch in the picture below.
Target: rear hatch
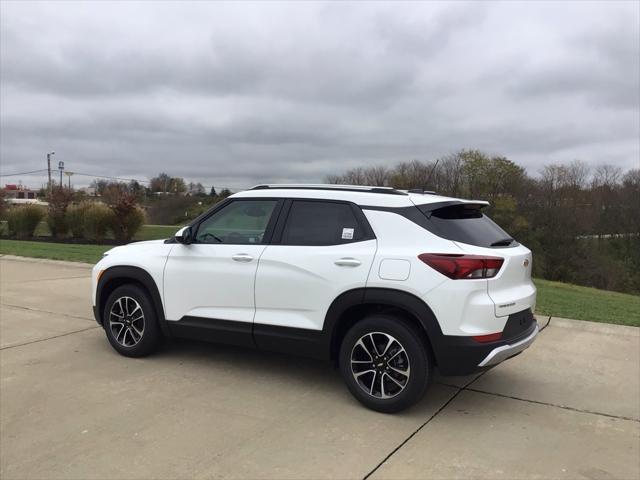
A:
(512, 290)
(463, 222)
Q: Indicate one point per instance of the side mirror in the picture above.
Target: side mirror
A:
(184, 235)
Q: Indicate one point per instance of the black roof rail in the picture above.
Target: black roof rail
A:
(421, 191)
(344, 188)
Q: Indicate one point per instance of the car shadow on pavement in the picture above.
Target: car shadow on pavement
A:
(231, 367)
(211, 360)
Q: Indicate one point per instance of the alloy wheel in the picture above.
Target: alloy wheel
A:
(380, 365)
(126, 321)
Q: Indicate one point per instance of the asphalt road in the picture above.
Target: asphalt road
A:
(70, 407)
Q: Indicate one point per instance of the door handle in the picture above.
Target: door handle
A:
(347, 262)
(242, 257)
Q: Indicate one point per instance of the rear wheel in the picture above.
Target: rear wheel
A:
(384, 363)
(130, 322)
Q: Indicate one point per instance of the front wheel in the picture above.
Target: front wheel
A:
(384, 363)
(130, 322)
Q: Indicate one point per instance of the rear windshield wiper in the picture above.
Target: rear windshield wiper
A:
(503, 242)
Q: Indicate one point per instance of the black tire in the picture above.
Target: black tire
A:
(415, 362)
(134, 344)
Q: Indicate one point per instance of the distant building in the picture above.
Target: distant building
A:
(89, 191)
(19, 192)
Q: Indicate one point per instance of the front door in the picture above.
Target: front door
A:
(211, 281)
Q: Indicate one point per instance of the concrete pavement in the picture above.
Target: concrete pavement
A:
(70, 407)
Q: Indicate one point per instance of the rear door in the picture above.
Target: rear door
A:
(320, 250)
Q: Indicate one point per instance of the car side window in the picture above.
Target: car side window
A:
(240, 223)
(321, 223)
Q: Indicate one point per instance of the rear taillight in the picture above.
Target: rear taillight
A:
(458, 266)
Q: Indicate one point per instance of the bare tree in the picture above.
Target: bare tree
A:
(450, 175)
(577, 174)
(606, 176)
(413, 174)
(377, 176)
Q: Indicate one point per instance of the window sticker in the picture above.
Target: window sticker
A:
(347, 233)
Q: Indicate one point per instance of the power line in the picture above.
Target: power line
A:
(108, 177)
(23, 173)
(123, 179)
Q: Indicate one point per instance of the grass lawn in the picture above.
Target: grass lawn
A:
(554, 298)
(155, 232)
(56, 251)
(76, 252)
(584, 303)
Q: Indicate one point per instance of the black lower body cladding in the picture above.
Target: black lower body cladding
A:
(462, 355)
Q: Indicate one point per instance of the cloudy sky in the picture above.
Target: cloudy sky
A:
(233, 94)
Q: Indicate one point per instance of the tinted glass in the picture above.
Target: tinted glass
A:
(240, 222)
(467, 224)
(321, 223)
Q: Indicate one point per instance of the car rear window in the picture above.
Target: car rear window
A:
(466, 223)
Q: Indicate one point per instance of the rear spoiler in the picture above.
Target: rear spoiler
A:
(429, 208)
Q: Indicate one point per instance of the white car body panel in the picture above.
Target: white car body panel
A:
(150, 256)
(295, 285)
(401, 239)
(464, 308)
(512, 289)
(203, 280)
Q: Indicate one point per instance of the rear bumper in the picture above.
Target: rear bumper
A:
(462, 355)
(500, 354)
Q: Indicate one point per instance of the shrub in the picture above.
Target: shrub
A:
(128, 217)
(97, 220)
(23, 220)
(59, 199)
(3, 205)
(75, 219)
(125, 226)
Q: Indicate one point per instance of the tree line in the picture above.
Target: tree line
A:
(581, 223)
(163, 184)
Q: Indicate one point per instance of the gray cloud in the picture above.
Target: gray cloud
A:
(237, 94)
(603, 65)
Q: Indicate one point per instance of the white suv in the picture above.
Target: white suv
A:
(386, 283)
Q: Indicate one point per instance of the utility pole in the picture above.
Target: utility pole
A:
(49, 169)
(61, 168)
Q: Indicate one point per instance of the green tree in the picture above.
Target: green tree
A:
(167, 184)
(487, 177)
